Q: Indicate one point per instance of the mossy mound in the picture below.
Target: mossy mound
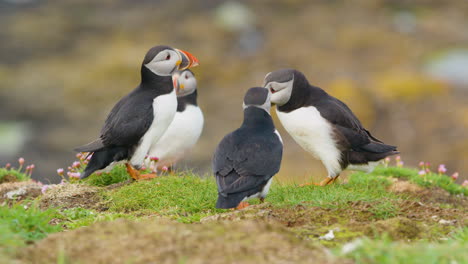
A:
(147, 241)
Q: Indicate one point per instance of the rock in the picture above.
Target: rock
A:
(328, 236)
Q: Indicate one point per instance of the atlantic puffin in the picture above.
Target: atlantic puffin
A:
(141, 117)
(246, 160)
(324, 125)
(185, 129)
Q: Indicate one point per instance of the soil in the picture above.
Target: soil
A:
(73, 195)
(168, 242)
(24, 190)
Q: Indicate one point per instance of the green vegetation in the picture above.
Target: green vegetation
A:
(390, 226)
(186, 198)
(22, 223)
(8, 175)
(427, 180)
(386, 251)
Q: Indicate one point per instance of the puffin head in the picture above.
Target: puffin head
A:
(184, 82)
(258, 97)
(280, 83)
(164, 60)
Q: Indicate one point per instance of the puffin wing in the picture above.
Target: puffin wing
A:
(345, 122)
(128, 121)
(241, 165)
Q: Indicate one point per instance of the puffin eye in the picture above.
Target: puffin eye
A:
(186, 77)
(168, 57)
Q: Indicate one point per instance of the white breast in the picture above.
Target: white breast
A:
(313, 133)
(164, 109)
(179, 138)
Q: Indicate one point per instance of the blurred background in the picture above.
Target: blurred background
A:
(402, 66)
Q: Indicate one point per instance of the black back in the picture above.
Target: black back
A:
(247, 158)
(348, 129)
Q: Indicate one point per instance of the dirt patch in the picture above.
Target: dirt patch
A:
(17, 191)
(428, 195)
(8, 178)
(400, 186)
(124, 241)
(71, 196)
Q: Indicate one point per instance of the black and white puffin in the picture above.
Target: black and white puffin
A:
(140, 118)
(246, 160)
(323, 125)
(186, 127)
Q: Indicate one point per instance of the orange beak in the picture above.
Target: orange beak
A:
(188, 60)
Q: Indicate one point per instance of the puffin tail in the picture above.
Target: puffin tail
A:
(102, 158)
(377, 147)
(91, 147)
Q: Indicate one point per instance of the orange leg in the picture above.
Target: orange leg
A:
(326, 181)
(242, 205)
(135, 174)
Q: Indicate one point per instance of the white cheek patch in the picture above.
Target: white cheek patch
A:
(283, 92)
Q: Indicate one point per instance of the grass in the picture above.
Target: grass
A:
(116, 175)
(370, 189)
(386, 251)
(428, 180)
(25, 224)
(12, 172)
(186, 198)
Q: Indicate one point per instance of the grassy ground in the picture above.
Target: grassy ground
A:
(393, 215)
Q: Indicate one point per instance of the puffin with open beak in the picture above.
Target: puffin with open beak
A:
(185, 129)
(141, 117)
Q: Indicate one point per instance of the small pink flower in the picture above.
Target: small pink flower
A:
(74, 174)
(397, 158)
(154, 158)
(164, 168)
(98, 173)
(89, 157)
(63, 181)
(21, 161)
(45, 188)
(454, 176)
(7, 166)
(76, 164)
(421, 164)
(465, 183)
(387, 159)
(143, 168)
(422, 172)
(428, 164)
(32, 166)
(428, 170)
(442, 169)
(60, 171)
(78, 156)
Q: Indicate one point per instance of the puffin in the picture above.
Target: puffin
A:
(246, 160)
(140, 118)
(185, 129)
(323, 125)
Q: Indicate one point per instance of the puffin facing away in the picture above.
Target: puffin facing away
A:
(246, 160)
(323, 125)
(186, 127)
(140, 118)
